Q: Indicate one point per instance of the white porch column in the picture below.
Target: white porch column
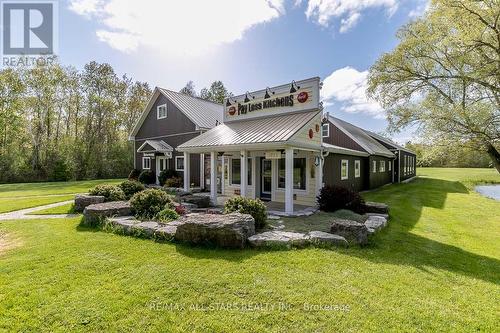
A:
(319, 175)
(289, 180)
(187, 176)
(244, 173)
(223, 176)
(254, 177)
(202, 171)
(213, 176)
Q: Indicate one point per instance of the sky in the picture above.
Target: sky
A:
(247, 44)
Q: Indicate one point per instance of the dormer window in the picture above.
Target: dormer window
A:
(161, 111)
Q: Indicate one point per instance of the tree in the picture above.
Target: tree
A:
(216, 93)
(444, 75)
(189, 89)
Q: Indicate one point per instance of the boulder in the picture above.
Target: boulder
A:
(83, 200)
(376, 207)
(94, 214)
(202, 201)
(279, 239)
(353, 231)
(230, 230)
(326, 239)
(386, 216)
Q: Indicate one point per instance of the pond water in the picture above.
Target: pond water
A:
(490, 191)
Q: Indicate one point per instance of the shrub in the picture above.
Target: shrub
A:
(167, 215)
(174, 182)
(254, 207)
(109, 192)
(180, 209)
(134, 174)
(146, 204)
(131, 187)
(147, 177)
(333, 198)
(166, 174)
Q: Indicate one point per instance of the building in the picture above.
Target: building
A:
(274, 144)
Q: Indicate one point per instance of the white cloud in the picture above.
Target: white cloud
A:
(346, 87)
(420, 9)
(348, 11)
(186, 27)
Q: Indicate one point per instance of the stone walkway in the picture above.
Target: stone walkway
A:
(23, 213)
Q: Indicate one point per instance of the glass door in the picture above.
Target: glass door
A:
(266, 180)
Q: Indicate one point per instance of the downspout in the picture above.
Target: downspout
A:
(399, 166)
(135, 157)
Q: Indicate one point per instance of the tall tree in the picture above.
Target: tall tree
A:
(445, 75)
(188, 89)
(216, 93)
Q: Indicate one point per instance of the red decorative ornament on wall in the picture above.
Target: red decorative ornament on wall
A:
(302, 97)
(311, 133)
(232, 110)
(317, 128)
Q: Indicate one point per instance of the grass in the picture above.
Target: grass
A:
(27, 195)
(436, 267)
(68, 208)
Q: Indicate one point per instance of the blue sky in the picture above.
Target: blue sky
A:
(248, 44)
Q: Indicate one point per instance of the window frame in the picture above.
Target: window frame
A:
(144, 159)
(381, 167)
(390, 166)
(327, 130)
(305, 174)
(177, 158)
(249, 171)
(158, 117)
(357, 172)
(374, 166)
(342, 169)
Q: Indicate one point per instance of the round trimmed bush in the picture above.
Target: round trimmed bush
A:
(134, 174)
(333, 198)
(148, 203)
(174, 182)
(131, 187)
(254, 207)
(167, 215)
(147, 177)
(166, 174)
(109, 192)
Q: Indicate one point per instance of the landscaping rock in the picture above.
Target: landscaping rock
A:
(189, 206)
(386, 216)
(82, 201)
(201, 201)
(230, 230)
(353, 231)
(376, 207)
(147, 228)
(93, 214)
(326, 239)
(279, 239)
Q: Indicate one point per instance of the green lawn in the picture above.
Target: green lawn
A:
(27, 195)
(64, 209)
(436, 267)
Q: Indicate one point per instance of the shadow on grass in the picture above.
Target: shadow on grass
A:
(397, 245)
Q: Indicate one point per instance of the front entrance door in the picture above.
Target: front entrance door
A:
(266, 179)
(161, 164)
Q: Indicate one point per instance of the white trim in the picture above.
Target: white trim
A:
(158, 117)
(327, 130)
(346, 169)
(295, 190)
(144, 159)
(382, 166)
(390, 165)
(149, 142)
(343, 151)
(374, 166)
(177, 165)
(357, 172)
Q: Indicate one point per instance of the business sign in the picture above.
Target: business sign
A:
(273, 155)
(295, 96)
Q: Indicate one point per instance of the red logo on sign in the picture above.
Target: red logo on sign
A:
(232, 110)
(311, 133)
(302, 97)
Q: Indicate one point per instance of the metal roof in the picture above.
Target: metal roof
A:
(388, 142)
(341, 150)
(157, 145)
(255, 131)
(360, 136)
(203, 113)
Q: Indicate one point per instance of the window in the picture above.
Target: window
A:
(325, 130)
(236, 171)
(299, 173)
(146, 163)
(161, 111)
(390, 165)
(344, 169)
(382, 166)
(357, 168)
(406, 165)
(374, 166)
(179, 163)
